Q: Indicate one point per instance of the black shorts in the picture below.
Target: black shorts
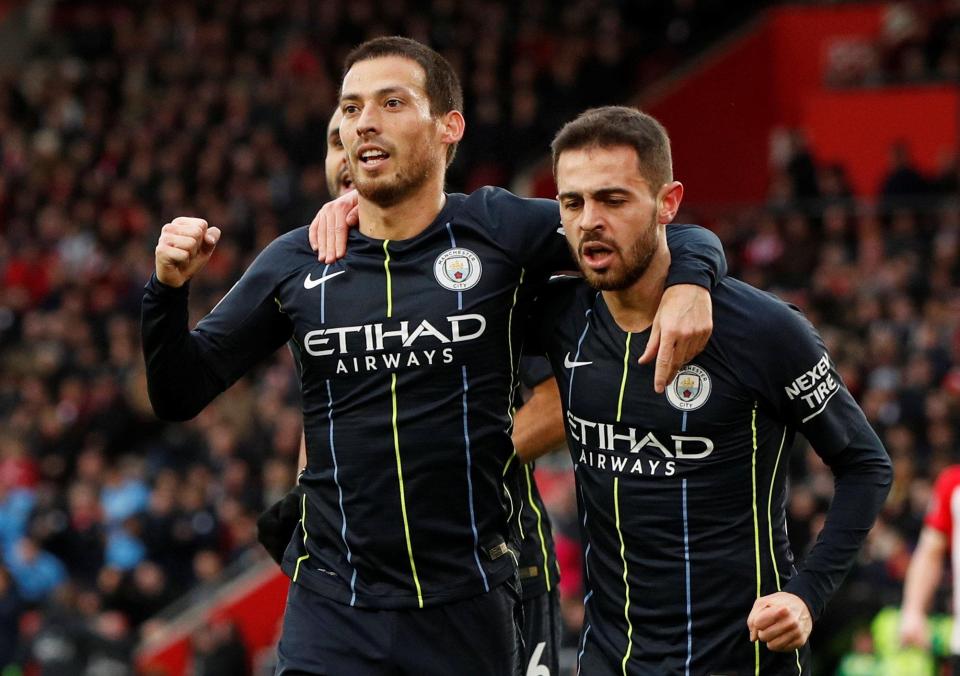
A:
(542, 625)
(321, 637)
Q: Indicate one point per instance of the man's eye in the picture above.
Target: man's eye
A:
(349, 109)
(571, 205)
(393, 103)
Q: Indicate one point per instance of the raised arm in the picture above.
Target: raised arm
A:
(187, 369)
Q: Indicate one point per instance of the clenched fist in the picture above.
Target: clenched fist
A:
(185, 246)
(780, 620)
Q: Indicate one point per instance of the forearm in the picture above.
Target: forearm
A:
(924, 573)
(697, 256)
(178, 380)
(863, 475)
(538, 424)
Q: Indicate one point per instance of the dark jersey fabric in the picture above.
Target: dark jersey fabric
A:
(407, 353)
(539, 570)
(682, 495)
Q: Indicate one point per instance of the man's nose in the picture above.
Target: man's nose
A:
(592, 217)
(369, 121)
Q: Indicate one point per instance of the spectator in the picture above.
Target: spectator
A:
(36, 572)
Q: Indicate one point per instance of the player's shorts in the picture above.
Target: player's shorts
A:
(322, 637)
(598, 657)
(542, 626)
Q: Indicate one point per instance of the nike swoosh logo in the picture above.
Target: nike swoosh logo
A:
(574, 364)
(310, 283)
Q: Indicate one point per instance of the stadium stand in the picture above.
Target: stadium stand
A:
(126, 114)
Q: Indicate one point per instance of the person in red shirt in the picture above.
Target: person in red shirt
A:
(939, 535)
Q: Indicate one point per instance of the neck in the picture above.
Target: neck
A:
(406, 218)
(635, 307)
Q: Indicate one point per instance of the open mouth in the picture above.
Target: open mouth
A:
(597, 255)
(372, 157)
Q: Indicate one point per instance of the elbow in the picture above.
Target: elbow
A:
(172, 408)
(887, 469)
(886, 474)
(173, 413)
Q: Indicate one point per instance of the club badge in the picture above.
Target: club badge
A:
(690, 389)
(457, 269)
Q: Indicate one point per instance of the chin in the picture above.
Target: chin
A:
(382, 193)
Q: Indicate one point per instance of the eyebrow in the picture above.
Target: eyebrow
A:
(597, 194)
(350, 96)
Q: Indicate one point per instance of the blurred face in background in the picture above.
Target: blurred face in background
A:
(335, 165)
(392, 142)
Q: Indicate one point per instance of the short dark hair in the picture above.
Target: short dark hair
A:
(442, 84)
(620, 126)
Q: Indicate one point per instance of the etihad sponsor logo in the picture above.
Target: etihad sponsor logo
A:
(401, 345)
(392, 361)
(814, 387)
(457, 269)
(345, 340)
(624, 439)
(624, 464)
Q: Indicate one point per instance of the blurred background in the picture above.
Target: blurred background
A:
(819, 140)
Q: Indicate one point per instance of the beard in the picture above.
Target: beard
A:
(635, 260)
(386, 191)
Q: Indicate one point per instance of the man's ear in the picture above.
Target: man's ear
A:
(668, 202)
(452, 125)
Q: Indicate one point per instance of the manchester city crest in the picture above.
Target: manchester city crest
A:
(690, 389)
(457, 269)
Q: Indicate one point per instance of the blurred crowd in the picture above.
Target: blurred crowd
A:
(918, 42)
(127, 114)
(882, 282)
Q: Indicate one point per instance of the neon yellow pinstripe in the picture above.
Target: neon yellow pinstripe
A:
(756, 525)
(536, 510)
(773, 555)
(516, 291)
(626, 585)
(386, 268)
(303, 524)
(403, 497)
(506, 465)
(623, 381)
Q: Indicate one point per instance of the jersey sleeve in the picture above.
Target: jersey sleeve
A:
(529, 229)
(786, 364)
(187, 369)
(696, 256)
(939, 515)
(551, 307)
(534, 370)
(784, 361)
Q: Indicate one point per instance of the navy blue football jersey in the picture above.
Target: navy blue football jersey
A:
(407, 353)
(682, 495)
